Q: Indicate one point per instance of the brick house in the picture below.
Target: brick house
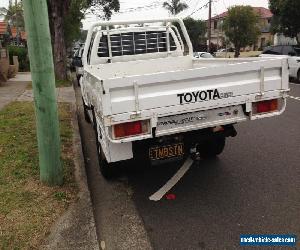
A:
(16, 37)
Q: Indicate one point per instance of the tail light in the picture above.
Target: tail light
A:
(265, 106)
(130, 129)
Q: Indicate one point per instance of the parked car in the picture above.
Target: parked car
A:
(226, 50)
(150, 101)
(203, 55)
(77, 63)
(293, 53)
(223, 52)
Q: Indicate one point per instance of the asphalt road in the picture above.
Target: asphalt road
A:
(252, 188)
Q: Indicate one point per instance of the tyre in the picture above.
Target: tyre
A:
(298, 76)
(212, 147)
(85, 111)
(108, 170)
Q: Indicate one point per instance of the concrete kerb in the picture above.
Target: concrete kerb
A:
(76, 228)
(81, 178)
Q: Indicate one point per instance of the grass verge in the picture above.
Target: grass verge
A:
(58, 84)
(243, 54)
(63, 83)
(27, 207)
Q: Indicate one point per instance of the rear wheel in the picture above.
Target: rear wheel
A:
(108, 170)
(213, 147)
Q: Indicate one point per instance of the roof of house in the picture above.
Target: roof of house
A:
(3, 27)
(263, 13)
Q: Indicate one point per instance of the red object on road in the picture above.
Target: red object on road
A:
(170, 196)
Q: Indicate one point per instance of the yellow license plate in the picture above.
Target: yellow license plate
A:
(165, 152)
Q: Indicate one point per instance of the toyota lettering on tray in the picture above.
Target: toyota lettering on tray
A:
(204, 95)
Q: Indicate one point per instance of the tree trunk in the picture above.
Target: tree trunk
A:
(237, 52)
(57, 11)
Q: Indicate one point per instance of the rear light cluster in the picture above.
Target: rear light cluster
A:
(127, 129)
(265, 106)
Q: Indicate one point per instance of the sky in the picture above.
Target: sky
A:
(157, 11)
(135, 9)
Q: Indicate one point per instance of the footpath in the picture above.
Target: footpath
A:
(13, 88)
(75, 229)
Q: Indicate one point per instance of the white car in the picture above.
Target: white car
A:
(293, 53)
(202, 55)
(149, 100)
(77, 63)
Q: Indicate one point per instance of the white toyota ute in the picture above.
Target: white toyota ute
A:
(149, 99)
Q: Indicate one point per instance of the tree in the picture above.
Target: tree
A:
(61, 14)
(286, 17)
(14, 16)
(72, 22)
(196, 30)
(241, 26)
(175, 6)
(103, 8)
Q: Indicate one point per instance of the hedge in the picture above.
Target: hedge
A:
(22, 54)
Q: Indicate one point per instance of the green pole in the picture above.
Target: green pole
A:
(43, 82)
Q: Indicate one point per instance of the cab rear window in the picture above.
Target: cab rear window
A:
(132, 43)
